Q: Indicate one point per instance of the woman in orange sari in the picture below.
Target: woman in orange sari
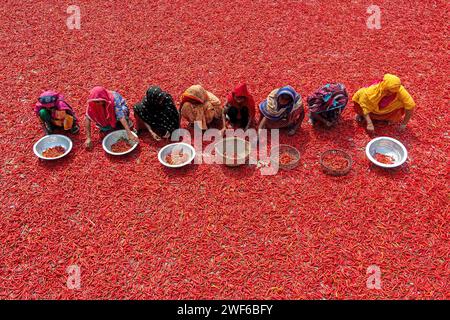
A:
(200, 106)
(387, 100)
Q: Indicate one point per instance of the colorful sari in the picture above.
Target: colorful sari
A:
(107, 117)
(279, 116)
(328, 102)
(55, 112)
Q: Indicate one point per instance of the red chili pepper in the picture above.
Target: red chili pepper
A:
(335, 162)
(121, 145)
(54, 152)
(286, 158)
(382, 158)
(138, 230)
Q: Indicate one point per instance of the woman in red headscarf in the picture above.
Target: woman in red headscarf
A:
(239, 110)
(109, 111)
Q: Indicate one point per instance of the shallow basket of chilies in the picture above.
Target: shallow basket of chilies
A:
(336, 162)
(285, 156)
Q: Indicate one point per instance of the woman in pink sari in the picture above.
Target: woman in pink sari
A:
(55, 113)
(109, 111)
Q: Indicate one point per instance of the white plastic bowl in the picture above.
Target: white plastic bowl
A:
(240, 147)
(177, 147)
(113, 137)
(389, 147)
(50, 141)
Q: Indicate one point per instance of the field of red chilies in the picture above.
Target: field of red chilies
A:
(139, 231)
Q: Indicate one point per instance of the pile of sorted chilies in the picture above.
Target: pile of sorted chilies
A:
(385, 100)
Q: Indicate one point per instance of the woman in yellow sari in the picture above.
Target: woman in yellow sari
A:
(200, 106)
(387, 100)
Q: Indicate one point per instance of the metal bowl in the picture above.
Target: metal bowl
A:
(389, 147)
(284, 148)
(113, 137)
(50, 141)
(240, 147)
(177, 147)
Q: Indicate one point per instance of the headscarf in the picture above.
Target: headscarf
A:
(155, 98)
(199, 105)
(389, 84)
(369, 98)
(52, 99)
(331, 96)
(158, 110)
(103, 116)
(272, 110)
(195, 94)
(242, 91)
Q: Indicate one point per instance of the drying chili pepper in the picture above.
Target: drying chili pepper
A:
(54, 152)
(139, 231)
(286, 158)
(382, 158)
(176, 158)
(335, 162)
(121, 145)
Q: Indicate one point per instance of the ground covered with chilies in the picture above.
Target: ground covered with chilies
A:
(137, 230)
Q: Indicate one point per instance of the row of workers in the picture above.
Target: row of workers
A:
(385, 100)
